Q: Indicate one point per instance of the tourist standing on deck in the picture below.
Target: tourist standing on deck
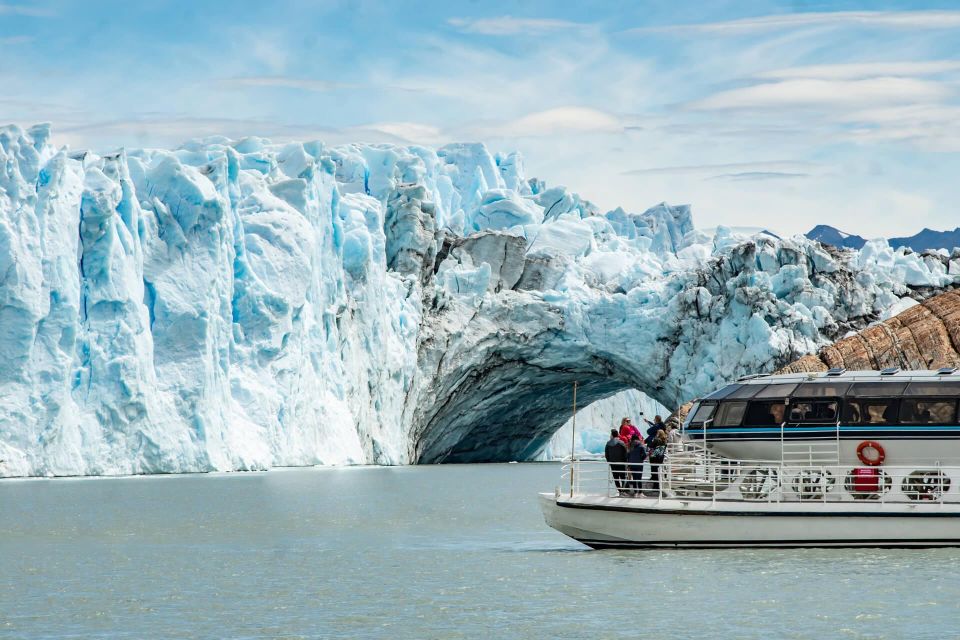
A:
(658, 452)
(655, 426)
(635, 457)
(628, 431)
(616, 454)
(673, 435)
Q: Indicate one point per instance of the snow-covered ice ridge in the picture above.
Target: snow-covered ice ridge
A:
(242, 305)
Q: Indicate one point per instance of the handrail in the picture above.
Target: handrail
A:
(693, 473)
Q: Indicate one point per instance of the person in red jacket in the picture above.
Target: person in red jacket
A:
(627, 431)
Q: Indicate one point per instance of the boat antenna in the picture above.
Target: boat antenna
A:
(573, 438)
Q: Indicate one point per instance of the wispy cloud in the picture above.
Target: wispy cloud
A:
(319, 86)
(407, 132)
(887, 19)
(932, 127)
(851, 71)
(561, 120)
(730, 168)
(171, 130)
(818, 93)
(287, 82)
(155, 129)
(746, 176)
(25, 10)
(13, 40)
(511, 26)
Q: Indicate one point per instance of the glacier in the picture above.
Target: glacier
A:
(241, 304)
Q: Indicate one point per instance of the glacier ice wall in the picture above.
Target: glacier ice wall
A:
(242, 304)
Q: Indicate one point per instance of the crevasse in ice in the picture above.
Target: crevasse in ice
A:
(242, 304)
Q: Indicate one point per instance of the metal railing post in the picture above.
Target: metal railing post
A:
(713, 486)
(573, 438)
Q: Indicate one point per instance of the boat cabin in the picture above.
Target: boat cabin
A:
(838, 404)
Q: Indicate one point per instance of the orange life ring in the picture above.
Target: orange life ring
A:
(870, 444)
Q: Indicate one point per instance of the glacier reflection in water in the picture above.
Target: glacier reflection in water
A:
(413, 552)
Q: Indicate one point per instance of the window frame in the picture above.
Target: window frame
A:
(892, 400)
(819, 400)
(929, 399)
(703, 404)
(769, 402)
(723, 406)
(876, 389)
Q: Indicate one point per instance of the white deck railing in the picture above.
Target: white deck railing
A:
(693, 473)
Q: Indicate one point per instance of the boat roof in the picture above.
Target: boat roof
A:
(833, 375)
(840, 382)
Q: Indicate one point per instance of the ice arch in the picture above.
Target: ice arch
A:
(594, 422)
(500, 371)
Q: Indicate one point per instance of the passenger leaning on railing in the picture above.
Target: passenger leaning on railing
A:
(658, 452)
(616, 454)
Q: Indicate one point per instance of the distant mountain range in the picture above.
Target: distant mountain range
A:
(926, 239)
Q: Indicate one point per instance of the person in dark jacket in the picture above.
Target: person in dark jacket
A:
(616, 454)
(655, 426)
(635, 457)
(658, 453)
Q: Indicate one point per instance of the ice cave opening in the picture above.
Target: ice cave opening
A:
(513, 412)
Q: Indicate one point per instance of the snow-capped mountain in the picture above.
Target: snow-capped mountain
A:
(242, 304)
(929, 240)
(831, 235)
(925, 240)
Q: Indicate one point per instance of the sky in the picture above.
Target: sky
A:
(782, 115)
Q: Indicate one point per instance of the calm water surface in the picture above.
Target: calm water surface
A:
(414, 552)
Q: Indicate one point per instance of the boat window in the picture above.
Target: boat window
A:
(879, 411)
(876, 389)
(813, 411)
(730, 414)
(933, 389)
(746, 391)
(822, 389)
(766, 414)
(722, 393)
(928, 411)
(775, 391)
(703, 413)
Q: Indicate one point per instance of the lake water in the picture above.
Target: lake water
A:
(414, 552)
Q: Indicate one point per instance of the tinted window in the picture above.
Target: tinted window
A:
(933, 389)
(766, 414)
(704, 412)
(730, 414)
(776, 391)
(928, 411)
(746, 391)
(813, 411)
(871, 411)
(876, 389)
(822, 389)
(719, 394)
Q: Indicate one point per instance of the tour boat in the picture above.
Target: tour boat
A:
(833, 459)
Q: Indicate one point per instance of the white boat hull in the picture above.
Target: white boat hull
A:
(605, 522)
